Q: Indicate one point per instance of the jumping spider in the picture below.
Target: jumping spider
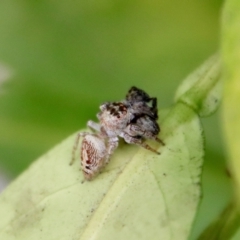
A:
(133, 119)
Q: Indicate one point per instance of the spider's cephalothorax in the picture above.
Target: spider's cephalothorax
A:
(134, 119)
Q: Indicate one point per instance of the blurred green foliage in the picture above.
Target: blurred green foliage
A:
(68, 57)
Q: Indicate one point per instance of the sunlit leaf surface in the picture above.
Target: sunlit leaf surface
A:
(139, 195)
(202, 89)
(231, 70)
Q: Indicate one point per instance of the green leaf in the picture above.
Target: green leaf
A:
(231, 73)
(202, 89)
(225, 226)
(139, 195)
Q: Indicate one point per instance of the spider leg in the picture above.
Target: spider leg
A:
(93, 125)
(80, 134)
(111, 146)
(138, 141)
(159, 140)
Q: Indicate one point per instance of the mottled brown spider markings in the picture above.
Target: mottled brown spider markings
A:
(133, 119)
(145, 115)
(93, 153)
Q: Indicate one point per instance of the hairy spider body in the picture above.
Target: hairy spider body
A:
(140, 101)
(93, 154)
(133, 119)
(113, 118)
(138, 126)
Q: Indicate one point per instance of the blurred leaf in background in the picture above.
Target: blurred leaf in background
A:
(68, 57)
